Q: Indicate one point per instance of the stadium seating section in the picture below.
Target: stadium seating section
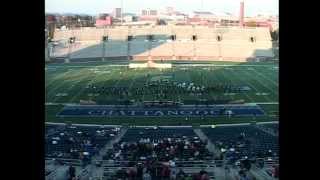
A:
(163, 152)
(243, 141)
(235, 44)
(76, 142)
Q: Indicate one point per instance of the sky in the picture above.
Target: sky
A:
(93, 7)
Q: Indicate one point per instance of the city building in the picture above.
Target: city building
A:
(117, 12)
(103, 20)
(149, 12)
(153, 12)
(148, 15)
(203, 15)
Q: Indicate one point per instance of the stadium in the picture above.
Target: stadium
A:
(161, 102)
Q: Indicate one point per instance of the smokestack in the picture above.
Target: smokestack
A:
(241, 18)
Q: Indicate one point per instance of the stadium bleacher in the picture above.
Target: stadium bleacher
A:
(238, 142)
(235, 44)
(69, 144)
(161, 152)
(167, 144)
(157, 151)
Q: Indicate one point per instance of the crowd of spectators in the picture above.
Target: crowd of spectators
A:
(243, 142)
(162, 171)
(158, 153)
(73, 142)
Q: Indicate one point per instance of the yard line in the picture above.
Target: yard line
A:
(262, 84)
(55, 78)
(226, 79)
(79, 92)
(133, 79)
(251, 85)
(146, 82)
(52, 90)
(110, 76)
(265, 77)
(221, 65)
(79, 81)
(212, 81)
(266, 97)
(266, 102)
(77, 66)
(249, 97)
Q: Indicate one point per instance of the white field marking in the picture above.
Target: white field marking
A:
(174, 65)
(76, 82)
(222, 65)
(267, 103)
(260, 74)
(227, 79)
(217, 80)
(146, 82)
(243, 80)
(262, 94)
(179, 96)
(74, 104)
(87, 66)
(61, 94)
(120, 78)
(132, 80)
(90, 125)
(108, 77)
(272, 91)
(270, 122)
(79, 92)
(56, 87)
(256, 88)
(56, 78)
(201, 79)
(229, 94)
(68, 89)
(249, 97)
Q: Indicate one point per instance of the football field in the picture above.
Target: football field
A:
(110, 83)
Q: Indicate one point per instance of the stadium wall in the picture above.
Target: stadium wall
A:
(235, 45)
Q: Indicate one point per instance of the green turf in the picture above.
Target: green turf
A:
(72, 79)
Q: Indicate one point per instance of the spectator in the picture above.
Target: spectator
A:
(246, 164)
(72, 172)
(146, 176)
(205, 176)
(276, 172)
(173, 173)
(132, 173)
(181, 174)
(165, 173)
(139, 171)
